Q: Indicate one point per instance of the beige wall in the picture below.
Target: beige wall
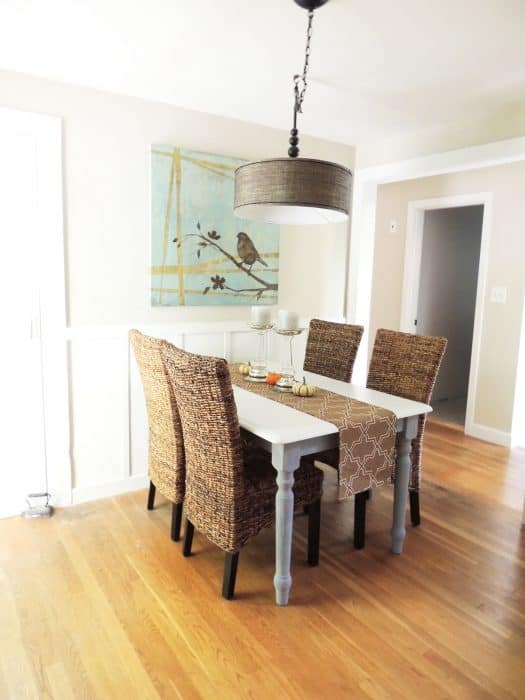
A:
(106, 142)
(106, 162)
(506, 267)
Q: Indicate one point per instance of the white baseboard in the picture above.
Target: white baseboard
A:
(483, 432)
(81, 494)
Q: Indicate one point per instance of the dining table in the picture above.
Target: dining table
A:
(288, 434)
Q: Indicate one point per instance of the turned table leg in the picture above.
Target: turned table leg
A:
(403, 464)
(285, 459)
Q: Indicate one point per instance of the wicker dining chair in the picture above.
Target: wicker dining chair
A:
(331, 349)
(230, 488)
(404, 364)
(166, 447)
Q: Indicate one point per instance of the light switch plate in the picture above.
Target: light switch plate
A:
(393, 226)
(498, 295)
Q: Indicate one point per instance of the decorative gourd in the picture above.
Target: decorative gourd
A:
(244, 368)
(272, 378)
(303, 389)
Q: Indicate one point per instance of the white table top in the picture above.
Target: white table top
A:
(280, 424)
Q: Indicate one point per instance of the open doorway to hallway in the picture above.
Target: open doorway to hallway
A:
(447, 299)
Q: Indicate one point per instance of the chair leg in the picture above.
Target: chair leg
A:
(359, 519)
(314, 532)
(188, 539)
(415, 515)
(176, 520)
(151, 495)
(230, 573)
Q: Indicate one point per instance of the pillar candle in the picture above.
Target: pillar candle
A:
(287, 320)
(260, 315)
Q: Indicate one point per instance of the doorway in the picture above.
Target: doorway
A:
(447, 300)
(446, 260)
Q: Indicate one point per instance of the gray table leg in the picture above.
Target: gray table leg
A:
(285, 460)
(405, 437)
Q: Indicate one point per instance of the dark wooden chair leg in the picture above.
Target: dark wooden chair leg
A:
(230, 573)
(368, 494)
(188, 539)
(415, 515)
(359, 519)
(314, 532)
(176, 520)
(151, 495)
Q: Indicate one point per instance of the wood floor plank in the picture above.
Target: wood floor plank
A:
(98, 603)
(59, 682)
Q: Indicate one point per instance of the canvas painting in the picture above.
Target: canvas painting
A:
(201, 253)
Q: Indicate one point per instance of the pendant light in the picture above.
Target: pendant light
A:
(294, 190)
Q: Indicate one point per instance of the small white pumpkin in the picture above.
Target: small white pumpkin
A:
(244, 368)
(303, 389)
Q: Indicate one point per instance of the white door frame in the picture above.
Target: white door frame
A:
(46, 131)
(412, 271)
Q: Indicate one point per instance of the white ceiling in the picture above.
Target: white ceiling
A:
(378, 68)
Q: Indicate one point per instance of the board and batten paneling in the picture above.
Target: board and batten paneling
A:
(109, 427)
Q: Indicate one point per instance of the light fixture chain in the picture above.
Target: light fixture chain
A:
(302, 79)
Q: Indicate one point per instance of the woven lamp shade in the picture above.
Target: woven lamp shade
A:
(293, 191)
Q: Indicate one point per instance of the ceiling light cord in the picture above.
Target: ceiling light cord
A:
(300, 85)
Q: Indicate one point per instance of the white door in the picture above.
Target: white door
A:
(22, 446)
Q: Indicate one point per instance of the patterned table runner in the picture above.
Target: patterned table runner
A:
(367, 433)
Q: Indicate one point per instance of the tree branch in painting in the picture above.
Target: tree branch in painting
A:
(249, 256)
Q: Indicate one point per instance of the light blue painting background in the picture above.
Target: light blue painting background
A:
(187, 188)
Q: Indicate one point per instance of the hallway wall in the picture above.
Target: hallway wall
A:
(447, 292)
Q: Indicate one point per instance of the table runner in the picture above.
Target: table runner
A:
(367, 433)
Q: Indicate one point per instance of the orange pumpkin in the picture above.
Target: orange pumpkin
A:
(273, 378)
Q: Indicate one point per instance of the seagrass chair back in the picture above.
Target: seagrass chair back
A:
(331, 349)
(404, 364)
(216, 502)
(166, 447)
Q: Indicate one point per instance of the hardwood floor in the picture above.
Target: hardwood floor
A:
(99, 603)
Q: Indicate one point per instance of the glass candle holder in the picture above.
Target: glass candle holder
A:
(287, 372)
(259, 365)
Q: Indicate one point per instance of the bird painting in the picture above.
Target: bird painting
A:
(247, 252)
(201, 253)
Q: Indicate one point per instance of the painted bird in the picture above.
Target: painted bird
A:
(247, 252)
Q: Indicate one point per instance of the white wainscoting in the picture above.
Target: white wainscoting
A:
(109, 445)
